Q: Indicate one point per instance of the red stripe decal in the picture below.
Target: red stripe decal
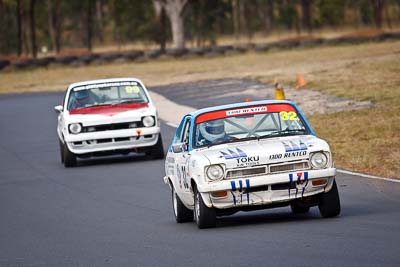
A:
(214, 115)
(108, 110)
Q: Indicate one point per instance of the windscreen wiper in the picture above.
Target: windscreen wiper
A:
(282, 133)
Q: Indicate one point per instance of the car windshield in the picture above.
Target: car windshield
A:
(240, 124)
(105, 94)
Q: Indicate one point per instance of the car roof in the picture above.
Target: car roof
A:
(239, 105)
(104, 81)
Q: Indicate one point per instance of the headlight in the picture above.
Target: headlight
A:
(318, 160)
(75, 128)
(148, 121)
(215, 172)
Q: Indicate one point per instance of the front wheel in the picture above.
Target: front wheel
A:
(329, 204)
(69, 157)
(182, 214)
(204, 216)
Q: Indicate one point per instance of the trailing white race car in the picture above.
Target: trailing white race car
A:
(102, 117)
(248, 156)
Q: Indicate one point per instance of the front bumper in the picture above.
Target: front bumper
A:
(266, 189)
(112, 140)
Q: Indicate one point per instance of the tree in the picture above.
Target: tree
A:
(378, 12)
(307, 15)
(54, 17)
(32, 24)
(175, 13)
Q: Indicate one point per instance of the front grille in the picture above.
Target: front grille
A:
(289, 167)
(113, 126)
(246, 172)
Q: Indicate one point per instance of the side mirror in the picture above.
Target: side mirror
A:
(178, 147)
(59, 108)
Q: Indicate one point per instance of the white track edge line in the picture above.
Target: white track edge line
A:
(369, 176)
(173, 125)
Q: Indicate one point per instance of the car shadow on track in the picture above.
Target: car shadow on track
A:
(119, 159)
(273, 217)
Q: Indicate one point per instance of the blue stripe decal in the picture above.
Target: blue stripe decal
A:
(305, 176)
(233, 189)
(248, 193)
(291, 181)
(233, 185)
(240, 190)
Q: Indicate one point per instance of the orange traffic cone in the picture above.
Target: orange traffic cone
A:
(300, 81)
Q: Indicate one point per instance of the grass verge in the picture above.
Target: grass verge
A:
(364, 140)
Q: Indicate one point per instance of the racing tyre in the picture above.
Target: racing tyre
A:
(182, 214)
(69, 157)
(61, 150)
(329, 204)
(157, 151)
(299, 209)
(204, 216)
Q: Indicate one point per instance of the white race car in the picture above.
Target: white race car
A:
(110, 116)
(248, 156)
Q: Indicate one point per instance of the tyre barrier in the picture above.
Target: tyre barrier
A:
(23, 64)
(109, 57)
(87, 59)
(44, 62)
(137, 55)
(65, 60)
(132, 55)
(4, 63)
(152, 54)
(174, 52)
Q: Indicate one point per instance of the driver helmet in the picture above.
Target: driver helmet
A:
(81, 95)
(212, 130)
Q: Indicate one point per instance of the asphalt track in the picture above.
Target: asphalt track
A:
(117, 211)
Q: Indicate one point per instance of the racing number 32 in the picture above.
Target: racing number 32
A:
(291, 116)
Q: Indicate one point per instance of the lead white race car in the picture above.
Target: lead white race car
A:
(109, 116)
(248, 156)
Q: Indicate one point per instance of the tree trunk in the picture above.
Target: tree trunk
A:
(19, 28)
(266, 13)
(307, 15)
(175, 12)
(235, 18)
(89, 19)
(378, 11)
(32, 27)
(54, 24)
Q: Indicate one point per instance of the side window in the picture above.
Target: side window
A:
(186, 133)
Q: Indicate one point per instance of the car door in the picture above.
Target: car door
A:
(181, 159)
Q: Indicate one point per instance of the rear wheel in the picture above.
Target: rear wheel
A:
(182, 214)
(329, 204)
(204, 216)
(299, 209)
(69, 157)
(157, 151)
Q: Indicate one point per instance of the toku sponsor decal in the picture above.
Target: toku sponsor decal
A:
(242, 160)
